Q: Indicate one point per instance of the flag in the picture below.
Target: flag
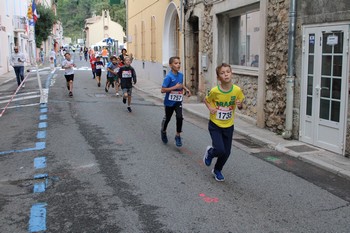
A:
(35, 13)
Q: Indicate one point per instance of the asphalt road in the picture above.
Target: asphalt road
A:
(107, 170)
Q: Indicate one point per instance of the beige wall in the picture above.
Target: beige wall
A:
(141, 12)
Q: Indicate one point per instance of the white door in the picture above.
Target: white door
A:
(324, 85)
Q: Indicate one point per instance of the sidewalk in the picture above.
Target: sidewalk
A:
(329, 161)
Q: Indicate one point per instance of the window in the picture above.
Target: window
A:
(135, 41)
(153, 39)
(143, 43)
(244, 39)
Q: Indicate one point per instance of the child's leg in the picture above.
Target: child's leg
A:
(227, 134)
(218, 147)
(168, 114)
(71, 85)
(179, 118)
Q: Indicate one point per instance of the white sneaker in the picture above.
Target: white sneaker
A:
(117, 94)
(23, 85)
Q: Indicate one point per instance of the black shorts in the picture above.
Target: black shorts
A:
(69, 77)
(98, 73)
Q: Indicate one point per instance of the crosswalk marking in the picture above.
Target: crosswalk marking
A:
(21, 98)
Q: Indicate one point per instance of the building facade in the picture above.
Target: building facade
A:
(290, 58)
(99, 28)
(13, 31)
(154, 34)
(16, 31)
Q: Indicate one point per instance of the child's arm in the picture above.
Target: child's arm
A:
(211, 109)
(239, 104)
(169, 89)
(188, 92)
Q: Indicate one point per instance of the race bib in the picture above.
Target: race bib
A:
(126, 74)
(224, 114)
(99, 67)
(176, 96)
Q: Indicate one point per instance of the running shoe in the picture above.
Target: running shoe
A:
(98, 84)
(124, 100)
(117, 94)
(70, 94)
(218, 175)
(206, 158)
(178, 141)
(106, 90)
(129, 109)
(164, 137)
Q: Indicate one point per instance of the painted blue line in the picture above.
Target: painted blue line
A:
(43, 110)
(37, 220)
(41, 135)
(42, 125)
(40, 145)
(39, 187)
(41, 176)
(43, 117)
(40, 162)
(43, 105)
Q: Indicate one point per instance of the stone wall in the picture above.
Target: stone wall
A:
(276, 64)
(249, 86)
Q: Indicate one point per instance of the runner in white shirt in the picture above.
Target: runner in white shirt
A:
(68, 65)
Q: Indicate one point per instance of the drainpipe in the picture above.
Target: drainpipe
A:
(182, 30)
(287, 134)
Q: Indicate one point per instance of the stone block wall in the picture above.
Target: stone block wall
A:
(276, 64)
(249, 86)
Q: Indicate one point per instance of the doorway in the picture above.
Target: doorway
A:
(324, 85)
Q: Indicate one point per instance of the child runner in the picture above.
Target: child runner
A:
(98, 69)
(221, 102)
(68, 65)
(92, 63)
(112, 74)
(127, 76)
(173, 87)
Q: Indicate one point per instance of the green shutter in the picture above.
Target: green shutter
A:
(114, 2)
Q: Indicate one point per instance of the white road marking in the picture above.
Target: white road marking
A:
(21, 98)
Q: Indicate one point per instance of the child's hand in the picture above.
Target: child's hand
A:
(178, 86)
(212, 110)
(238, 104)
(188, 93)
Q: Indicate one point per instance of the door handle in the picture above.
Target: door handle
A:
(318, 88)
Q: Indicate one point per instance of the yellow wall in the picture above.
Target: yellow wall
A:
(144, 10)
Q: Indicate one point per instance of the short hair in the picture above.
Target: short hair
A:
(66, 54)
(124, 50)
(112, 57)
(171, 59)
(218, 68)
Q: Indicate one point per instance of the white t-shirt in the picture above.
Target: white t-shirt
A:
(66, 65)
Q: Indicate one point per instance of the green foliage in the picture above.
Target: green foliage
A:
(73, 13)
(43, 26)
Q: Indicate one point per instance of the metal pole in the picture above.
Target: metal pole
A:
(290, 79)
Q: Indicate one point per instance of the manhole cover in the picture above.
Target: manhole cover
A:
(301, 148)
(247, 143)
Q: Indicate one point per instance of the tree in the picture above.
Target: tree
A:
(44, 24)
